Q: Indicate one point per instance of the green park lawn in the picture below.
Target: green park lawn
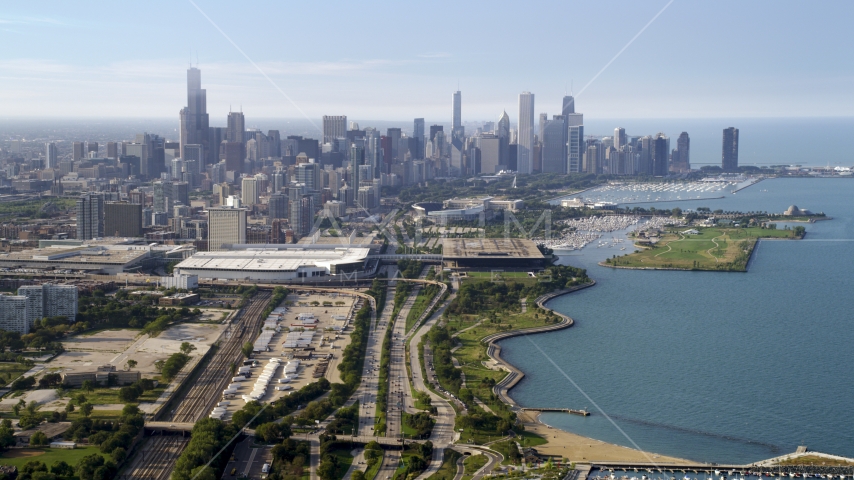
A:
(714, 248)
(472, 464)
(18, 457)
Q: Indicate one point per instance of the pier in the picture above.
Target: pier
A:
(583, 413)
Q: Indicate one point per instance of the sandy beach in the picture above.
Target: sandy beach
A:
(583, 449)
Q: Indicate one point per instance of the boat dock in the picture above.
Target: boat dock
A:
(583, 413)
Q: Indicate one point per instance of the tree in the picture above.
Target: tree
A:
(38, 439)
(269, 432)
(247, 349)
(62, 469)
(131, 364)
(119, 455)
(358, 475)
(328, 468)
(187, 347)
(129, 394)
(7, 437)
(158, 365)
(23, 383)
(88, 385)
(86, 409)
(87, 465)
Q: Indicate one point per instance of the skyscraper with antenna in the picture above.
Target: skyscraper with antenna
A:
(194, 117)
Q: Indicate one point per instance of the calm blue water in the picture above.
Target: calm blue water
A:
(722, 367)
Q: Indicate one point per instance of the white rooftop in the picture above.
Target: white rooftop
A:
(271, 260)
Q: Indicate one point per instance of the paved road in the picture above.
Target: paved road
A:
(493, 460)
(400, 392)
(248, 461)
(443, 432)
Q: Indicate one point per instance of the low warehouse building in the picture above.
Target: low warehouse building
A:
(275, 262)
(463, 253)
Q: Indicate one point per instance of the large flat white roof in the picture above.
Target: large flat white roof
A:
(271, 260)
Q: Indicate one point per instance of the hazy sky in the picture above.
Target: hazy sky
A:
(390, 60)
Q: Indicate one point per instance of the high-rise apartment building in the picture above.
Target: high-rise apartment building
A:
(235, 131)
(51, 155)
(554, 145)
(660, 154)
(680, 159)
(277, 206)
(249, 191)
(90, 216)
(418, 135)
(729, 157)
(13, 314)
(77, 151)
(48, 300)
(91, 147)
(334, 126)
(122, 219)
(525, 152)
(194, 117)
(490, 153)
(619, 137)
(112, 150)
(226, 225)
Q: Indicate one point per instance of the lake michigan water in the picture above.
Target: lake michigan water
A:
(712, 366)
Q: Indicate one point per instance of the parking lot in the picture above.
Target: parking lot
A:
(326, 319)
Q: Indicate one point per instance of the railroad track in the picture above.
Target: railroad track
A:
(207, 388)
(157, 458)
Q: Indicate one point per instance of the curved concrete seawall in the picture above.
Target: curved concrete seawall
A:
(514, 375)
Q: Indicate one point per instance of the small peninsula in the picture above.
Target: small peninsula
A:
(699, 248)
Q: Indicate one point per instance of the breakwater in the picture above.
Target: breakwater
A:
(493, 350)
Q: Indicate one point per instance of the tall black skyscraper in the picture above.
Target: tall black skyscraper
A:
(194, 117)
(418, 136)
(729, 156)
(568, 105)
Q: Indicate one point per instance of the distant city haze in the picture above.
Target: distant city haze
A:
(370, 60)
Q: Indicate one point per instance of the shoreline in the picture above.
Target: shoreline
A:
(560, 443)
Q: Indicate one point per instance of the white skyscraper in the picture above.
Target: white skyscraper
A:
(49, 300)
(458, 117)
(525, 152)
(13, 314)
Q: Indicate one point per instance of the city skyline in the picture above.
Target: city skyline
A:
(725, 65)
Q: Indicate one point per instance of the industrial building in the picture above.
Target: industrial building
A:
(103, 375)
(496, 253)
(107, 257)
(275, 262)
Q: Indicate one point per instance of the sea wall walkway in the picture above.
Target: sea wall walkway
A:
(514, 375)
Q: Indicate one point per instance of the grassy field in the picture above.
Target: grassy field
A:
(48, 456)
(472, 464)
(107, 396)
(480, 379)
(519, 277)
(9, 371)
(529, 439)
(448, 470)
(714, 248)
(815, 460)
